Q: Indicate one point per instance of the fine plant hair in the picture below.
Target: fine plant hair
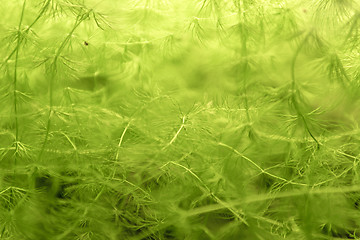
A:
(167, 119)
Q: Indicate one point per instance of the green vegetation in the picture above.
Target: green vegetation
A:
(169, 119)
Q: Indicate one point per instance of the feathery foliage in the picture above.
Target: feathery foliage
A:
(165, 119)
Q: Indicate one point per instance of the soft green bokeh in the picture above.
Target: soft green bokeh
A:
(166, 119)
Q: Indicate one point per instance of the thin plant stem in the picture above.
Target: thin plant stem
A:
(176, 134)
(53, 70)
(16, 80)
(208, 191)
(260, 168)
(295, 90)
(26, 31)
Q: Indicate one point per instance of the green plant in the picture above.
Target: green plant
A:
(207, 119)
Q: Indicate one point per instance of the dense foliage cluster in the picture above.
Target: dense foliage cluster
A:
(173, 119)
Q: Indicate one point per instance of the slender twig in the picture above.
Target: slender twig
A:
(119, 146)
(208, 191)
(176, 134)
(26, 31)
(260, 168)
(121, 140)
(53, 69)
(279, 195)
(19, 39)
(295, 90)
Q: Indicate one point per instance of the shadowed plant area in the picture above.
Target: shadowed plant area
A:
(169, 119)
